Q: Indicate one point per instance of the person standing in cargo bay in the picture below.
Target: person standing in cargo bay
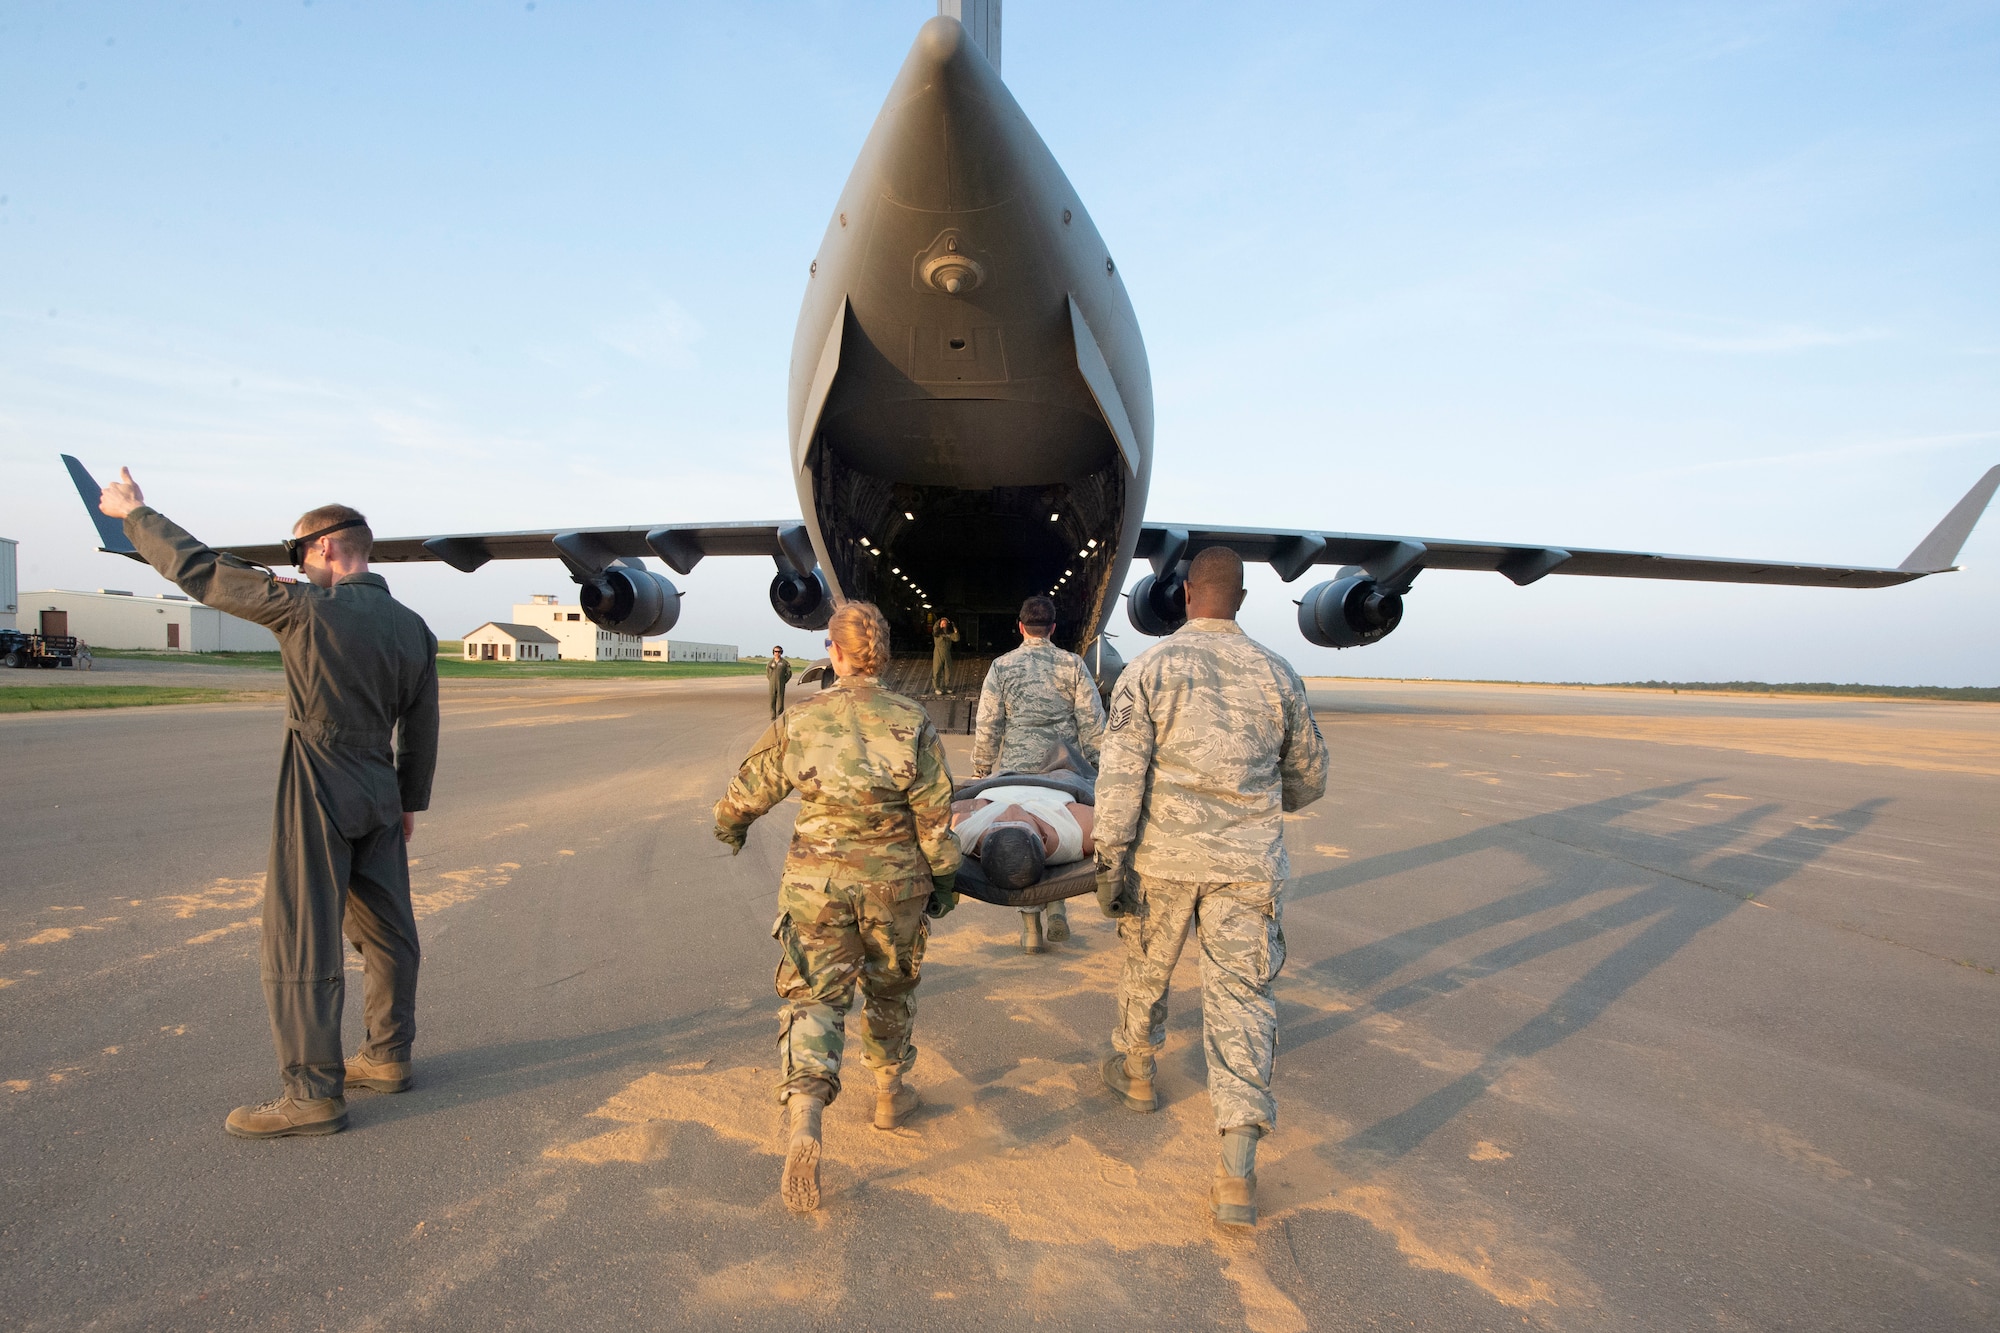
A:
(1209, 744)
(872, 855)
(943, 635)
(361, 739)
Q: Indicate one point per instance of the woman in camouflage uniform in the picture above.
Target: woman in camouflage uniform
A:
(872, 854)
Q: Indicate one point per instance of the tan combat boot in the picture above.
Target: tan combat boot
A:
(378, 1075)
(1057, 923)
(893, 1100)
(1131, 1077)
(286, 1116)
(1232, 1197)
(800, 1185)
(1031, 932)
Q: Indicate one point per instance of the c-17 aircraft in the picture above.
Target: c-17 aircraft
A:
(971, 422)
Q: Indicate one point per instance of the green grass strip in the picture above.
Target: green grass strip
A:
(63, 698)
(456, 668)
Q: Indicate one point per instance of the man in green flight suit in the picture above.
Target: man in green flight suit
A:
(776, 673)
(943, 635)
(361, 737)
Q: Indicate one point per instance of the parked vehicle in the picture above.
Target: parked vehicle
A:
(21, 649)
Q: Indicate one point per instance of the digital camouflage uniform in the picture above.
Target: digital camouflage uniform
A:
(874, 826)
(1034, 698)
(941, 642)
(776, 673)
(1209, 743)
(361, 738)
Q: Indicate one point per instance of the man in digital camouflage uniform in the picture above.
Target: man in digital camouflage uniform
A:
(1034, 700)
(361, 744)
(872, 854)
(1209, 743)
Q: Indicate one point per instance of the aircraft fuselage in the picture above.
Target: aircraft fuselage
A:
(971, 410)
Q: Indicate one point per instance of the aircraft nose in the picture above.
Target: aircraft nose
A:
(947, 137)
(941, 40)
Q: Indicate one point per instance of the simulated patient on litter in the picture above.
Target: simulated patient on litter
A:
(1018, 832)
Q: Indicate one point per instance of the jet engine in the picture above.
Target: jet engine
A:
(802, 601)
(1349, 612)
(1157, 605)
(627, 599)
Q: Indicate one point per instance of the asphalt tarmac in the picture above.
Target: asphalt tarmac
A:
(1604, 1010)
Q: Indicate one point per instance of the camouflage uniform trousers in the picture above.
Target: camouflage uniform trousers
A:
(836, 936)
(1242, 935)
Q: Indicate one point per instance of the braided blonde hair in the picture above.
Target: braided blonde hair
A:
(863, 635)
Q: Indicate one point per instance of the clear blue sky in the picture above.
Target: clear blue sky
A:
(1706, 278)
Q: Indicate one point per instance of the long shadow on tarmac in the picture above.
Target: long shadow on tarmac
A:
(1671, 883)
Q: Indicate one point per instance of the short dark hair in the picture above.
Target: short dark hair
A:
(1012, 857)
(357, 541)
(1038, 611)
(1217, 568)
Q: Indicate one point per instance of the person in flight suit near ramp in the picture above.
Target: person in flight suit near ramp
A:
(1210, 742)
(777, 672)
(1036, 698)
(872, 856)
(361, 739)
(943, 635)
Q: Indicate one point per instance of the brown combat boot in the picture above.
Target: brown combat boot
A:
(1232, 1197)
(378, 1075)
(1131, 1077)
(1057, 923)
(800, 1185)
(286, 1116)
(893, 1100)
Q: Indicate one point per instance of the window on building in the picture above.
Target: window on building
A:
(575, 616)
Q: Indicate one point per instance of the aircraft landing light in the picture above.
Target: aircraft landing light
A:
(907, 514)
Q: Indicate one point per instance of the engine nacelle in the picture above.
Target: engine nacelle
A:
(1349, 613)
(1157, 605)
(802, 601)
(628, 600)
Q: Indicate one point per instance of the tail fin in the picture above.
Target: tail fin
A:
(1935, 553)
(110, 532)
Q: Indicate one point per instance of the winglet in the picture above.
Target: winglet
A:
(110, 532)
(1935, 553)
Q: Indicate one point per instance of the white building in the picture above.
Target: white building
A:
(9, 588)
(581, 641)
(496, 641)
(688, 650)
(168, 622)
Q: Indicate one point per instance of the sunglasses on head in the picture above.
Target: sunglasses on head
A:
(295, 547)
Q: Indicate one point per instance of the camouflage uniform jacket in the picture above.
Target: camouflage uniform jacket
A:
(874, 789)
(1210, 741)
(1034, 697)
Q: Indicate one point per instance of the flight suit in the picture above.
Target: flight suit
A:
(941, 643)
(1209, 743)
(874, 828)
(776, 674)
(1035, 698)
(361, 737)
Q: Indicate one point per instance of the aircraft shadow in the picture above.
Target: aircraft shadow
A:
(1677, 884)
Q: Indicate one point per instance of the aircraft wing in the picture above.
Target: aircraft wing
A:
(681, 545)
(1391, 560)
